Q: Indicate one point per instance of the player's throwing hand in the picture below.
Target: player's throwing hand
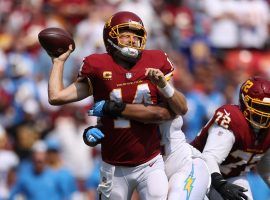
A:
(63, 57)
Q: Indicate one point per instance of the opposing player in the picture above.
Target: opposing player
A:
(130, 150)
(187, 172)
(237, 139)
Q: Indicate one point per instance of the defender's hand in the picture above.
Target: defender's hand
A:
(92, 136)
(109, 108)
(227, 190)
(97, 109)
(232, 192)
(156, 77)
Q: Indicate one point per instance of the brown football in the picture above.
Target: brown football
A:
(55, 41)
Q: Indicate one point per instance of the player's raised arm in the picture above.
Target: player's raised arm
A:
(175, 99)
(59, 95)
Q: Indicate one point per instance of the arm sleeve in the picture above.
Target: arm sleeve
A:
(218, 146)
(263, 167)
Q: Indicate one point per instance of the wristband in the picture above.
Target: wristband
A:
(167, 91)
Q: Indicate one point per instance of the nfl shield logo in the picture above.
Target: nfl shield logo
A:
(128, 75)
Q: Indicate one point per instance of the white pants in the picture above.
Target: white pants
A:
(189, 178)
(149, 179)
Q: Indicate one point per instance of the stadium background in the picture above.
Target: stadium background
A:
(214, 44)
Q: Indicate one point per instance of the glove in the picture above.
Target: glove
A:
(227, 190)
(109, 108)
(92, 136)
(97, 109)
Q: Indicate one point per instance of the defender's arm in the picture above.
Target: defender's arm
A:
(146, 113)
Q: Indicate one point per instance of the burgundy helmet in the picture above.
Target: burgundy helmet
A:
(115, 25)
(254, 100)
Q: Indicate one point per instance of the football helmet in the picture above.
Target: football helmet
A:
(254, 100)
(114, 27)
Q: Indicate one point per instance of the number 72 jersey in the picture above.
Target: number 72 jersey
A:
(247, 149)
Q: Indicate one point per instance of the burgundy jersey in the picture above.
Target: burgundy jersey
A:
(126, 142)
(247, 149)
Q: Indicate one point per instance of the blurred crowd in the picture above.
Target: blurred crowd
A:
(214, 45)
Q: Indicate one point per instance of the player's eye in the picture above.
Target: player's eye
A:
(124, 36)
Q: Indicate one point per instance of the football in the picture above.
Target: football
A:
(55, 41)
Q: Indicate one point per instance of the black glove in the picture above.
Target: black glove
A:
(227, 190)
(113, 109)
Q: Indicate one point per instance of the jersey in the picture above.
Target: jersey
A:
(246, 150)
(172, 136)
(126, 142)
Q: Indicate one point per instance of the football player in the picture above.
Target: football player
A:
(188, 174)
(237, 140)
(130, 150)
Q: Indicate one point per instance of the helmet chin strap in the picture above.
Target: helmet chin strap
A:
(126, 51)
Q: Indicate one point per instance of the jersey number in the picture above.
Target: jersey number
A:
(247, 86)
(223, 119)
(142, 95)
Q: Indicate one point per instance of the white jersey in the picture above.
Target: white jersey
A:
(176, 149)
(172, 137)
(188, 175)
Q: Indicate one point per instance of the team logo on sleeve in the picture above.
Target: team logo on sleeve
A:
(107, 75)
(189, 183)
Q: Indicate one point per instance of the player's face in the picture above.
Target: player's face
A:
(260, 114)
(129, 39)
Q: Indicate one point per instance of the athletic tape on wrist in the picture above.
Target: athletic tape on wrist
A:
(167, 91)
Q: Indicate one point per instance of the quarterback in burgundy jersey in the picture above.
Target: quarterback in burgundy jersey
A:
(237, 139)
(187, 172)
(126, 142)
(130, 151)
